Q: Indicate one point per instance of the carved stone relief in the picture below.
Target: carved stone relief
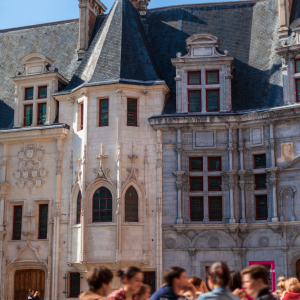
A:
(287, 151)
(263, 242)
(213, 242)
(170, 243)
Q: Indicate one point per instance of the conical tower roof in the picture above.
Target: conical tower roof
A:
(119, 53)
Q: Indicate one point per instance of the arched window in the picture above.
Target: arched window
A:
(131, 205)
(78, 208)
(102, 205)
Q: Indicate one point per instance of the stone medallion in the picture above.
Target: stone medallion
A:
(213, 242)
(191, 234)
(170, 243)
(263, 242)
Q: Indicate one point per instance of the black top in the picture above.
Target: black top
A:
(265, 294)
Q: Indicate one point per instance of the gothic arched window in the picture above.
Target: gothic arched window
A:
(102, 205)
(131, 205)
(78, 208)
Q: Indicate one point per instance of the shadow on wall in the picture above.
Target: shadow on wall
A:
(6, 115)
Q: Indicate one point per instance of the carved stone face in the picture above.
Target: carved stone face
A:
(29, 153)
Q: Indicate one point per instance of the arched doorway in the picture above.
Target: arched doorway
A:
(29, 279)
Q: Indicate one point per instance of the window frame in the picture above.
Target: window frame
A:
(38, 113)
(24, 118)
(255, 180)
(81, 115)
(146, 280)
(208, 183)
(99, 210)
(193, 72)
(78, 212)
(212, 71)
(218, 220)
(39, 228)
(214, 157)
(256, 208)
(212, 90)
(136, 113)
(196, 220)
(190, 164)
(297, 90)
(189, 91)
(254, 163)
(29, 88)
(296, 65)
(100, 119)
(14, 221)
(201, 177)
(39, 92)
(70, 285)
(131, 221)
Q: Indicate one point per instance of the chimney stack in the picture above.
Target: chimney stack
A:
(284, 11)
(141, 5)
(88, 12)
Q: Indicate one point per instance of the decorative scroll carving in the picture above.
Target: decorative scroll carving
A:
(30, 172)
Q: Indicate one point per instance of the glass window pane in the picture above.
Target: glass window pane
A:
(109, 215)
(214, 163)
(260, 161)
(42, 113)
(131, 113)
(109, 204)
(214, 183)
(194, 77)
(134, 216)
(297, 66)
(212, 77)
(96, 216)
(28, 115)
(196, 183)
(43, 92)
(104, 112)
(298, 90)
(102, 216)
(260, 181)
(29, 94)
(215, 208)
(194, 101)
(213, 100)
(96, 204)
(102, 204)
(197, 209)
(196, 164)
(262, 207)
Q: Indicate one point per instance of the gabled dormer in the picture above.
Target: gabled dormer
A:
(203, 77)
(34, 105)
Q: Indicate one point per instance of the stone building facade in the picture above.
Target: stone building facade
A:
(149, 137)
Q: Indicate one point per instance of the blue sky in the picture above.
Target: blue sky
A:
(28, 12)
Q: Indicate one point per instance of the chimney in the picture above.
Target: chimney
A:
(284, 11)
(88, 12)
(141, 5)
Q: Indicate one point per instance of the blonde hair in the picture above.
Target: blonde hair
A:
(292, 285)
(281, 284)
(204, 287)
(36, 293)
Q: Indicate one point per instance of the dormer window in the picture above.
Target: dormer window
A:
(194, 101)
(28, 110)
(212, 77)
(42, 112)
(29, 93)
(212, 100)
(42, 92)
(194, 78)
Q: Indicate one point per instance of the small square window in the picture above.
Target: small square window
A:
(42, 113)
(28, 115)
(42, 92)
(214, 183)
(212, 77)
(260, 161)
(194, 101)
(196, 208)
(196, 183)
(214, 164)
(194, 78)
(297, 66)
(298, 90)
(196, 164)
(260, 181)
(262, 207)
(28, 93)
(215, 208)
(212, 100)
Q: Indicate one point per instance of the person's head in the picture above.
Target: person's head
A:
(254, 279)
(176, 277)
(218, 275)
(235, 281)
(145, 292)
(292, 285)
(99, 280)
(197, 283)
(132, 278)
(30, 292)
(280, 286)
(37, 293)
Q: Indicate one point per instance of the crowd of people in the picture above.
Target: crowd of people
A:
(251, 283)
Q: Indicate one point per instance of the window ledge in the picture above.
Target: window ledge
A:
(132, 224)
(100, 224)
(76, 226)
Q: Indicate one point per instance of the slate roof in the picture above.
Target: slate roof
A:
(119, 52)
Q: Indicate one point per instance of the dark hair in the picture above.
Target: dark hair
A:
(219, 273)
(257, 272)
(128, 273)
(195, 281)
(29, 292)
(144, 289)
(98, 276)
(235, 281)
(171, 274)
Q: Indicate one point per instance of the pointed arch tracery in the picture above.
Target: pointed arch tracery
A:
(78, 207)
(131, 205)
(102, 205)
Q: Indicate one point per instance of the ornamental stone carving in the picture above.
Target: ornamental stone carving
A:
(31, 171)
(170, 243)
(213, 242)
(263, 242)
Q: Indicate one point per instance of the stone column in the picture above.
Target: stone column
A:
(231, 186)
(272, 146)
(241, 149)
(17, 121)
(242, 187)
(179, 103)
(230, 148)
(275, 213)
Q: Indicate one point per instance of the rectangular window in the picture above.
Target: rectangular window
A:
(260, 161)
(196, 208)
(214, 164)
(28, 115)
(212, 100)
(215, 208)
(42, 112)
(214, 183)
(260, 181)
(270, 265)
(17, 227)
(262, 207)
(196, 183)
(212, 77)
(81, 116)
(43, 221)
(196, 164)
(298, 90)
(194, 101)
(103, 112)
(74, 285)
(29, 94)
(194, 78)
(150, 279)
(297, 66)
(131, 112)
(42, 92)
(78, 208)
